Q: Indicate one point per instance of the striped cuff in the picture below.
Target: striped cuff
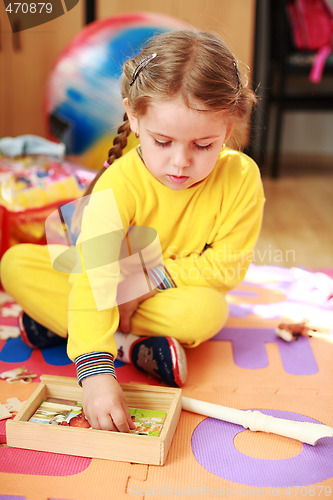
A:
(94, 363)
(161, 278)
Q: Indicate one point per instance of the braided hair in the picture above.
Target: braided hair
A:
(116, 151)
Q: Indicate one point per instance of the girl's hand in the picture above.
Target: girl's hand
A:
(128, 308)
(104, 404)
(126, 312)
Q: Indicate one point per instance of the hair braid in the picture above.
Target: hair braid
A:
(119, 144)
(120, 141)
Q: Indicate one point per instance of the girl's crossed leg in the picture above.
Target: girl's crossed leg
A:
(170, 319)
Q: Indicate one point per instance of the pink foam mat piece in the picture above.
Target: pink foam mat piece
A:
(14, 460)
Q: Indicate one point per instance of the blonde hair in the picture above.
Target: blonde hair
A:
(195, 65)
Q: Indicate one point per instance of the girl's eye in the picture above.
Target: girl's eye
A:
(162, 144)
(202, 148)
(166, 144)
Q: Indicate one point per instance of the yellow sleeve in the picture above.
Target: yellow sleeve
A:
(225, 260)
(93, 315)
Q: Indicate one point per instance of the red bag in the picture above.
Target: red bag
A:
(31, 188)
(312, 29)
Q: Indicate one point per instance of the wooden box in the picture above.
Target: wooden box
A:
(91, 442)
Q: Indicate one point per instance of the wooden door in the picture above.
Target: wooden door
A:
(26, 60)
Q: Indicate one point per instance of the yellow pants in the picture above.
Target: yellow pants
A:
(189, 314)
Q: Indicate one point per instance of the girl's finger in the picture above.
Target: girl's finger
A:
(105, 423)
(129, 418)
(120, 420)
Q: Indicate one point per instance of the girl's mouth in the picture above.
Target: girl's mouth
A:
(178, 179)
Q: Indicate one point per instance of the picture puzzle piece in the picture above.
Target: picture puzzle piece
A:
(12, 373)
(20, 374)
(14, 404)
(9, 332)
(11, 311)
(4, 413)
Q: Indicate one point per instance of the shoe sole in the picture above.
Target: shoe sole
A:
(179, 361)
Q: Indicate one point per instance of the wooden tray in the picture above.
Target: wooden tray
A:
(96, 443)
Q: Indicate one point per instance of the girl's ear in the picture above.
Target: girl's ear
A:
(229, 130)
(134, 123)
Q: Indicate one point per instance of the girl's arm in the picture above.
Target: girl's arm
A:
(225, 260)
(93, 315)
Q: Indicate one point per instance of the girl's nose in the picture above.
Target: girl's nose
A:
(180, 158)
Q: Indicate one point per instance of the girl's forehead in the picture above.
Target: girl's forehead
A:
(177, 102)
(164, 117)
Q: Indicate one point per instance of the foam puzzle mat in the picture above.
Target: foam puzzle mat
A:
(244, 366)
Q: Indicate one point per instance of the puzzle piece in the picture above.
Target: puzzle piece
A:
(4, 298)
(9, 332)
(18, 374)
(12, 373)
(4, 413)
(11, 311)
(14, 404)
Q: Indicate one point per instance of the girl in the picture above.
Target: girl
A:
(184, 98)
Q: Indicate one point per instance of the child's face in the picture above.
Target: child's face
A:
(179, 146)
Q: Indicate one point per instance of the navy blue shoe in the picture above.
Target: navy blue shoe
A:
(36, 335)
(161, 357)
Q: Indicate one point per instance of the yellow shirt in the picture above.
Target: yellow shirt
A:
(207, 233)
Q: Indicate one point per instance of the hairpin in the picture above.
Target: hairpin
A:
(237, 73)
(141, 66)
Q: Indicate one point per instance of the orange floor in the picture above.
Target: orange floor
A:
(245, 366)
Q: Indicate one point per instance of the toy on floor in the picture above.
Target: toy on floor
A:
(18, 375)
(306, 432)
(292, 331)
(9, 332)
(13, 405)
(4, 413)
